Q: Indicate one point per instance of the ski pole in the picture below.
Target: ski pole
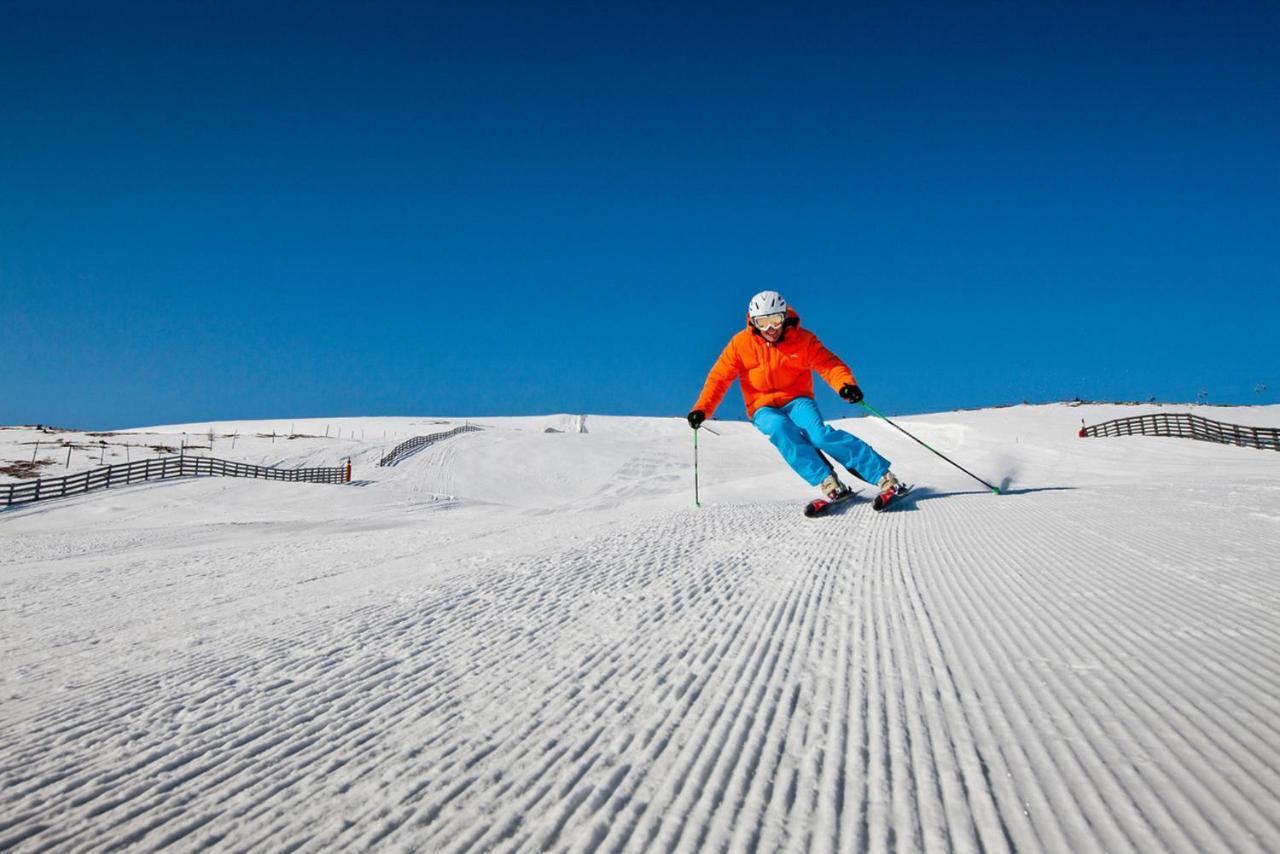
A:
(696, 502)
(994, 489)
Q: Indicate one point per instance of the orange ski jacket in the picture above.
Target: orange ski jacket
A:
(772, 374)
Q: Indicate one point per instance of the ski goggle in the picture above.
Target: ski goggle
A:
(769, 321)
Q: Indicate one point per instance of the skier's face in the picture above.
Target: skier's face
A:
(770, 326)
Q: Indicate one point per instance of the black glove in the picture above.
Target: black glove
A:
(851, 393)
(696, 417)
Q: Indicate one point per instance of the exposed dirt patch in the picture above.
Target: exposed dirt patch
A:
(24, 469)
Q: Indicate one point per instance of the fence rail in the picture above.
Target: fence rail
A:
(1186, 426)
(407, 447)
(158, 468)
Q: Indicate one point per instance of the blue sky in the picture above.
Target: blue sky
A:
(232, 211)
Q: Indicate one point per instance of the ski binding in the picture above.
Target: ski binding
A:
(885, 498)
(818, 506)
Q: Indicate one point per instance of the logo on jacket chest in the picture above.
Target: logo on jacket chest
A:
(772, 354)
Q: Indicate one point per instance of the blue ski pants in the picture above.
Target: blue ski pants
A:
(797, 430)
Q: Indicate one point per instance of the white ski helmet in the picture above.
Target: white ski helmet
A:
(765, 303)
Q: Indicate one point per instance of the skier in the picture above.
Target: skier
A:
(772, 359)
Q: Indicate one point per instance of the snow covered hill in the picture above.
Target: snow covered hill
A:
(525, 640)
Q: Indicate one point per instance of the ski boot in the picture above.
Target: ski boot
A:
(890, 488)
(833, 491)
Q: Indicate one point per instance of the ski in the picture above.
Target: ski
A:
(818, 506)
(885, 498)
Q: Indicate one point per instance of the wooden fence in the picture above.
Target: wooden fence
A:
(1186, 426)
(407, 447)
(122, 474)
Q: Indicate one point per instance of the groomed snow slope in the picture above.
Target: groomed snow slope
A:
(519, 640)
